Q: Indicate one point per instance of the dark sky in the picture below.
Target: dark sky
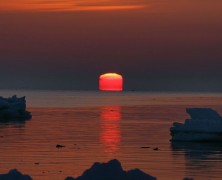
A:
(161, 45)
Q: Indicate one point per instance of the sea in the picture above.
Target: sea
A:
(95, 126)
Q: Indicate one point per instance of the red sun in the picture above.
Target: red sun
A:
(111, 82)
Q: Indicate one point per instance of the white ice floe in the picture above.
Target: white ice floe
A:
(13, 107)
(205, 125)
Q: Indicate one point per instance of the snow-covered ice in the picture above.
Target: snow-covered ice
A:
(13, 108)
(205, 124)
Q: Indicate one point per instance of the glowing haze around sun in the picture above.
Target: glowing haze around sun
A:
(110, 82)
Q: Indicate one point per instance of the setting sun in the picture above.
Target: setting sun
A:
(111, 82)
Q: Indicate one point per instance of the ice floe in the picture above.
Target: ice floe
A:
(13, 108)
(205, 124)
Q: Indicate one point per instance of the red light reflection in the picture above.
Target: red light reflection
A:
(110, 128)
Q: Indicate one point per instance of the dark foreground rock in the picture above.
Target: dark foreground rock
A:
(14, 174)
(112, 170)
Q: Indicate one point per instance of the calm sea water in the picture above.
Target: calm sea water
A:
(98, 126)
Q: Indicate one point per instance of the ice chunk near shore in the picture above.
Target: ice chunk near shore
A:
(14, 174)
(112, 170)
(13, 108)
(205, 125)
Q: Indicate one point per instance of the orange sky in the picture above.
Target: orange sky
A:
(158, 42)
(68, 5)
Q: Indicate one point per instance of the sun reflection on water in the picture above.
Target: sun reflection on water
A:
(110, 135)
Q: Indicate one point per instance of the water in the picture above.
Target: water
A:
(96, 126)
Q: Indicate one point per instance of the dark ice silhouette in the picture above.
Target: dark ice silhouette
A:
(13, 108)
(203, 113)
(112, 170)
(205, 125)
(14, 174)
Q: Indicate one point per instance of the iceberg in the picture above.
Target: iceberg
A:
(13, 108)
(205, 125)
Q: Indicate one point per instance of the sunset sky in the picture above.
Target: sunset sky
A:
(157, 45)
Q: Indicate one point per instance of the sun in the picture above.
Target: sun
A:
(110, 82)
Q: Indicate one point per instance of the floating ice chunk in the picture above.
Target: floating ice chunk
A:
(205, 125)
(13, 108)
(14, 174)
(203, 113)
(112, 170)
